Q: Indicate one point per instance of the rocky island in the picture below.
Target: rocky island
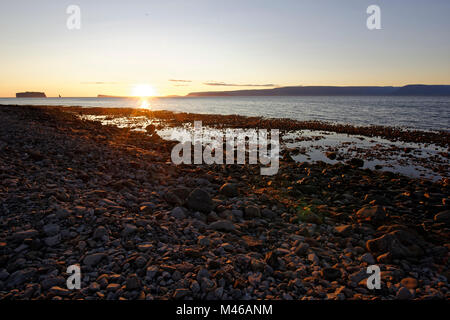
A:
(30, 95)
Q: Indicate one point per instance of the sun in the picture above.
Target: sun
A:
(144, 90)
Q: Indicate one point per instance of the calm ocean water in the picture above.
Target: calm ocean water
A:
(428, 113)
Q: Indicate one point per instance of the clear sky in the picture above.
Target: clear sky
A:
(242, 43)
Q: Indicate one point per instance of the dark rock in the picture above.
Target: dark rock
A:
(229, 190)
(181, 293)
(400, 244)
(343, 230)
(178, 213)
(331, 155)
(199, 200)
(443, 216)
(375, 214)
(94, 259)
(21, 276)
(252, 212)
(356, 162)
(331, 274)
(58, 291)
(222, 225)
(100, 233)
(404, 294)
(133, 282)
(51, 229)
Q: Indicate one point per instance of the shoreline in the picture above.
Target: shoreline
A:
(77, 192)
(409, 152)
(438, 137)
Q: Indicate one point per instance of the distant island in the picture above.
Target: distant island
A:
(109, 96)
(30, 95)
(409, 90)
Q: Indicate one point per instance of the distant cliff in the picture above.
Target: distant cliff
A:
(423, 90)
(429, 90)
(30, 95)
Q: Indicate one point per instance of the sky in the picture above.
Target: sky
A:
(126, 47)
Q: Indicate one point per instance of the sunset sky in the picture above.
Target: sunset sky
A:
(219, 45)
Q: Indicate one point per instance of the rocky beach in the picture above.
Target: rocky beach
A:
(76, 192)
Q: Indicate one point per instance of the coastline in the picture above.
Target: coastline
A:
(144, 233)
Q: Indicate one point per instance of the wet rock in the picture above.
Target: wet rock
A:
(133, 282)
(101, 233)
(129, 230)
(203, 241)
(313, 258)
(400, 244)
(150, 129)
(367, 258)
(51, 229)
(173, 199)
(331, 274)
(94, 259)
(58, 291)
(404, 294)
(268, 214)
(151, 272)
(356, 162)
(112, 287)
(375, 214)
(358, 276)
(271, 259)
(252, 212)
(3, 274)
(409, 283)
(229, 190)
(52, 241)
(180, 293)
(178, 213)
(255, 278)
(257, 265)
(302, 249)
(195, 287)
(200, 200)
(443, 217)
(27, 234)
(222, 225)
(343, 230)
(140, 262)
(20, 276)
(331, 155)
(385, 258)
(52, 281)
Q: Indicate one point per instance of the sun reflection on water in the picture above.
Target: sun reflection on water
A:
(144, 104)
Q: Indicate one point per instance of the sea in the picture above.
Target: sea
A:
(409, 112)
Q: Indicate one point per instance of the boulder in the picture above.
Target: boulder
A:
(229, 190)
(200, 200)
(375, 214)
(252, 212)
(222, 225)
